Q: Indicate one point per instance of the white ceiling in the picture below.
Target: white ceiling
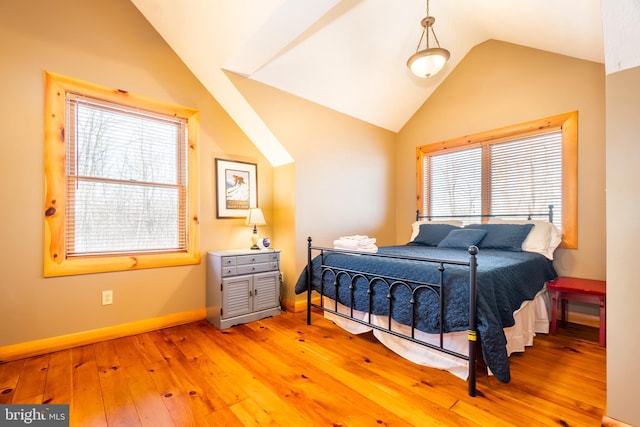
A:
(350, 55)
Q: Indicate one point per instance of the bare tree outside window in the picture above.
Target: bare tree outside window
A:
(124, 180)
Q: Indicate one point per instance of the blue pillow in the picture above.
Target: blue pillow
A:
(432, 234)
(462, 238)
(508, 237)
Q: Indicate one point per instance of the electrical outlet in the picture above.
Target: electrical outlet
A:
(107, 297)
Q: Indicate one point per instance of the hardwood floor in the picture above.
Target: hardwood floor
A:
(280, 371)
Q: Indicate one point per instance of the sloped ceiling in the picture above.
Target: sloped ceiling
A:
(350, 55)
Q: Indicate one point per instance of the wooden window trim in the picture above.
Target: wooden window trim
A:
(56, 263)
(567, 122)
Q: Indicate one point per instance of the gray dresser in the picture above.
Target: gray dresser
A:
(243, 285)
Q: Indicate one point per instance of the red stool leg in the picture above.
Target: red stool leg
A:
(565, 314)
(554, 312)
(603, 321)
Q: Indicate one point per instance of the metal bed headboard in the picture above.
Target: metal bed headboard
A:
(529, 215)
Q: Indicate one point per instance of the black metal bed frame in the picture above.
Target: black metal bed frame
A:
(548, 215)
(393, 283)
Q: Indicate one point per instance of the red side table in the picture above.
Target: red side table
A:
(582, 290)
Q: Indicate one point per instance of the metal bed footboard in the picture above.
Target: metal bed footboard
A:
(392, 284)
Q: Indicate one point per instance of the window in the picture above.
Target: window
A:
(518, 169)
(121, 181)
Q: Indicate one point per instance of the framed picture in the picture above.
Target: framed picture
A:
(237, 188)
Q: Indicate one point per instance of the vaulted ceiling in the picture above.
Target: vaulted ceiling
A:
(350, 55)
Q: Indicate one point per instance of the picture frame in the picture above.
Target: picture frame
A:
(236, 188)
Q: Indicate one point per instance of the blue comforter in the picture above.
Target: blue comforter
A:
(505, 280)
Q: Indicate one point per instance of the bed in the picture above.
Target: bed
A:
(450, 292)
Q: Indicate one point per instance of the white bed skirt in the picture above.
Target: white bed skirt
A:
(531, 318)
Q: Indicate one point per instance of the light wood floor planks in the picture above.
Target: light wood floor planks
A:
(281, 372)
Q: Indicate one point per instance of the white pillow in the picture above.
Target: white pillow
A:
(415, 227)
(543, 238)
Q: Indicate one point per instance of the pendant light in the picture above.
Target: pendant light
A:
(430, 60)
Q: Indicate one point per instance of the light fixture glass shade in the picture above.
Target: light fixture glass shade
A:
(428, 62)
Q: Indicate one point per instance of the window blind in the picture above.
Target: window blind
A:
(526, 175)
(455, 183)
(517, 176)
(126, 179)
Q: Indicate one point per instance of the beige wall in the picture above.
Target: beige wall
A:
(623, 233)
(499, 84)
(110, 43)
(343, 179)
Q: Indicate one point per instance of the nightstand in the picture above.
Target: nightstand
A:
(243, 285)
(582, 290)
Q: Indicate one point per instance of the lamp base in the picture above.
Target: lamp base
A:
(254, 240)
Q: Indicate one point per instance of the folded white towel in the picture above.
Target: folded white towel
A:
(367, 242)
(346, 244)
(361, 240)
(360, 243)
(355, 237)
(353, 244)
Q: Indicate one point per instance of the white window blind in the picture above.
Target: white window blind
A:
(126, 179)
(518, 176)
(454, 182)
(526, 175)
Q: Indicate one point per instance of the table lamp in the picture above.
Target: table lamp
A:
(255, 218)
